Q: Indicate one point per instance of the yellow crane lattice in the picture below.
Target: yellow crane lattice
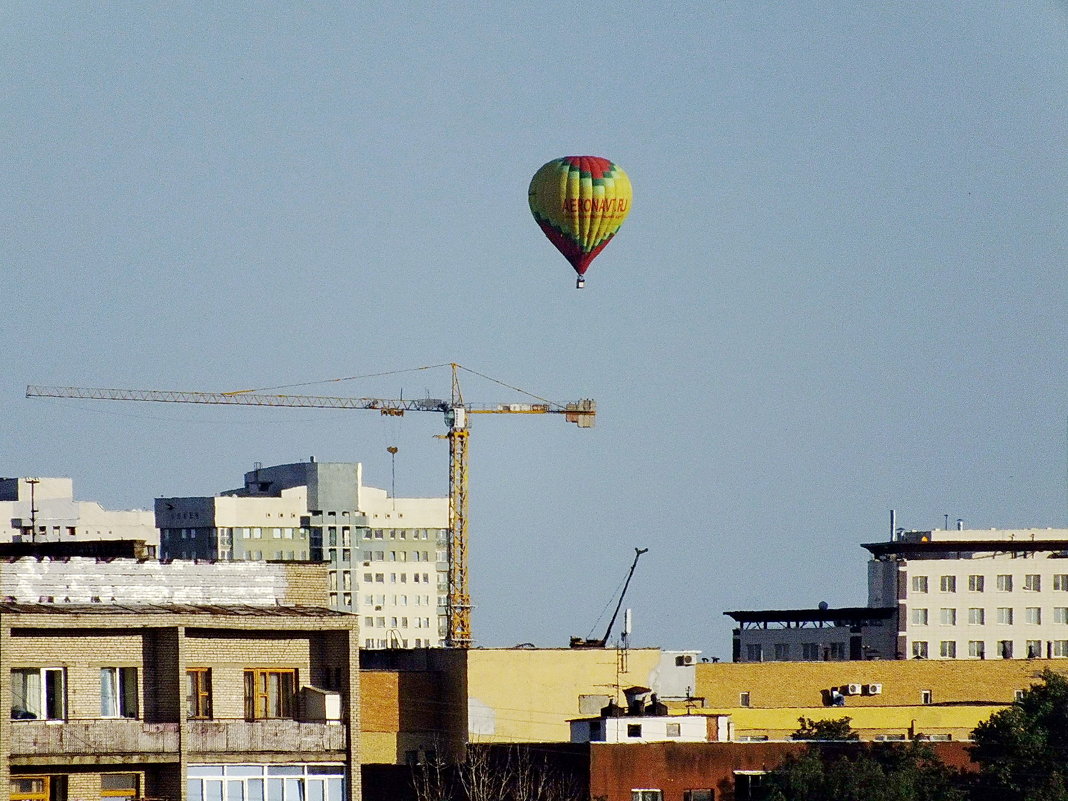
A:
(455, 411)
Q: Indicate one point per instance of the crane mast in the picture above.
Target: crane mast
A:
(455, 411)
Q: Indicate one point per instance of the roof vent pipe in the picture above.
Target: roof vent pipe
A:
(960, 524)
(893, 525)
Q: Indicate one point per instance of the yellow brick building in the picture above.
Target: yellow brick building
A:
(890, 699)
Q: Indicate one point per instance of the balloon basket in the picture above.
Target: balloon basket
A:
(580, 282)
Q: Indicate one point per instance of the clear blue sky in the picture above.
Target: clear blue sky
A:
(841, 289)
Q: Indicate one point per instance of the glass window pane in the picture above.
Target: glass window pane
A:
(213, 790)
(334, 789)
(244, 770)
(255, 790)
(235, 790)
(204, 770)
(274, 790)
(193, 790)
(294, 789)
(316, 790)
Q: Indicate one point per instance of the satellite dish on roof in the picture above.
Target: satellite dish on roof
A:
(824, 606)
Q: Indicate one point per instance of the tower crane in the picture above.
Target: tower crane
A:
(455, 411)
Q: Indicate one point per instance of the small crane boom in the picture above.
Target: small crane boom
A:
(455, 411)
(579, 642)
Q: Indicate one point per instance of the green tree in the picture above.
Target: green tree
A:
(856, 771)
(1022, 751)
(835, 729)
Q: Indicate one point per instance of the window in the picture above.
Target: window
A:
(1004, 583)
(118, 785)
(977, 649)
(118, 692)
(1060, 647)
(1033, 615)
(926, 697)
(919, 617)
(837, 651)
(754, 653)
(743, 699)
(1034, 649)
(919, 583)
(1005, 615)
(1060, 582)
(698, 795)
(976, 583)
(198, 693)
(976, 616)
(1032, 582)
(1018, 695)
(646, 795)
(38, 694)
(749, 785)
(1060, 614)
(1005, 649)
(947, 649)
(919, 649)
(634, 730)
(947, 617)
(269, 693)
(782, 652)
(947, 584)
(674, 730)
(810, 651)
(35, 788)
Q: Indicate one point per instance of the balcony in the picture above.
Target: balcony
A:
(241, 736)
(127, 740)
(92, 738)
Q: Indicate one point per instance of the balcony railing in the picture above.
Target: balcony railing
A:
(97, 737)
(131, 737)
(240, 736)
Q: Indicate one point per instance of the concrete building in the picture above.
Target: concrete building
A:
(43, 510)
(974, 594)
(814, 635)
(193, 682)
(388, 556)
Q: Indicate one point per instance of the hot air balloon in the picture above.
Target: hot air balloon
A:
(580, 202)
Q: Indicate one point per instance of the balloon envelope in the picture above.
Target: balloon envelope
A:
(580, 202)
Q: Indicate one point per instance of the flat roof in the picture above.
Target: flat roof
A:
(230, 610)
(851, 613)
(961, 546)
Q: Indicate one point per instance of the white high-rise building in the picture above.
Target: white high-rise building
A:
(974, 594)
(388, 556)
(43, 510)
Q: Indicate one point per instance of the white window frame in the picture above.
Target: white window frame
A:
(118, 692)
(51, 686)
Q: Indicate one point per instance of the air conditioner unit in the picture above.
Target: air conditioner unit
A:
(685, 659)
(875, 689)
(853, 689)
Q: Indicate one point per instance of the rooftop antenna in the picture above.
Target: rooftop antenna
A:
(393, 470)
(33, 482)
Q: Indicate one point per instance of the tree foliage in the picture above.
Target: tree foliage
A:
(855, 771)
(1022, 751)
(835, 729)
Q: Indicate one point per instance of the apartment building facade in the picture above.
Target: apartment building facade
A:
(43, 510)
(201, 682)
(388, 556)
(974, 594)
